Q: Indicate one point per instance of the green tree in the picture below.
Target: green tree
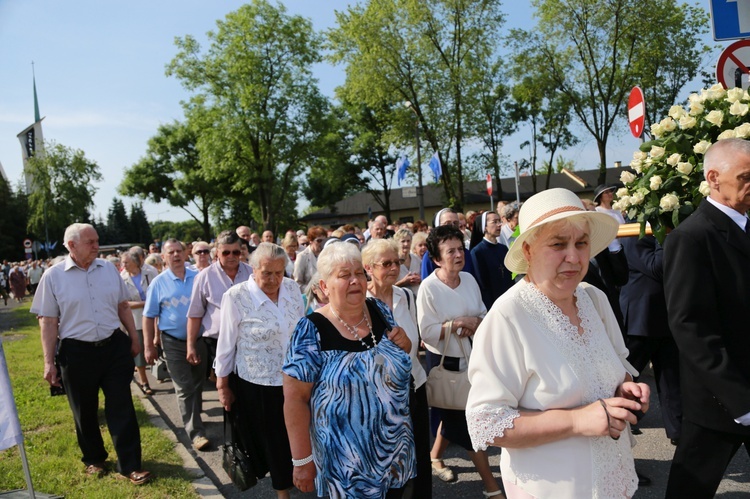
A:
(140, 230)
(425, 53)
(172, 171)
(256, 103)
(12, 228)
(62, 190)
(596, 51)
(118, 224)
(187, 231)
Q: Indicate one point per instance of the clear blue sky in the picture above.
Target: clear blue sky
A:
(102, 88)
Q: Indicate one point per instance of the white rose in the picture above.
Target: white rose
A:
(655, 183)
(696, 108)
(676, 112)
(656, 151)
(734, 95)
(704, 188)
(637, 198)
(716, 91)
(622, 204)
(622, 192)
(738, 109)
(657, 130)
(636, 165)
(726, 134)
(673, 159)
(684, 168)
(668, 124)
(687, 122)
(742, 131)
(626, 177)
(669, 202)
(701, 147)
(715, 117)
(640, 155)
(694, 98)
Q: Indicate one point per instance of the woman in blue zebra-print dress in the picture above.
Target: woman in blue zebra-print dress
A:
(346, 389)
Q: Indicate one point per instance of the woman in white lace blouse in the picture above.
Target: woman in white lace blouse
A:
(257, 320)
(549, 379)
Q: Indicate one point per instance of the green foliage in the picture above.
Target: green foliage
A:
(256, 103)
(49, 435)
(118, 225)
(189, 230)
(172, 171)
(12, 228)
(668, 183)
(140, 230)
(63, 190)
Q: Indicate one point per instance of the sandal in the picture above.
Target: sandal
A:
(145, 388)
(498, 492)
(445, 473)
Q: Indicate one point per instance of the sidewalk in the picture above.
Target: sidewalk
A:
(653, 454)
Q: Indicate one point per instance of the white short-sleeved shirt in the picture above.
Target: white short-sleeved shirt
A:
(208, 289)
(529, 357)
(438, 302)
(86, 301)
(255, 332)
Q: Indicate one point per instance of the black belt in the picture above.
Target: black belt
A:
(173, 337)
(95, 344)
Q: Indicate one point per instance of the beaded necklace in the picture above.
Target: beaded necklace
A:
(353, 329)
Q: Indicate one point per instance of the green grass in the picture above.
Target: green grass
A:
(50, 440)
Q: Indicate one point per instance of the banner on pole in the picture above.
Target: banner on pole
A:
(10, 427)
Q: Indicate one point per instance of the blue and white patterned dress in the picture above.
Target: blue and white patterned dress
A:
(360, 424)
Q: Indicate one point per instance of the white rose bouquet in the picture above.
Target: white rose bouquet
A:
(666, 184)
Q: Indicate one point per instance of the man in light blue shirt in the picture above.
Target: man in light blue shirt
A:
(167, 299)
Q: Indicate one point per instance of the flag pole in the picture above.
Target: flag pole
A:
(26, 470)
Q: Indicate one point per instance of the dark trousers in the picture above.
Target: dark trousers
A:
(700, 460)
(85, 369)
(420, 487)
(665, 357)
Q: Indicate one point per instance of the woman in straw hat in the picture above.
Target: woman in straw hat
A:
(549, 375)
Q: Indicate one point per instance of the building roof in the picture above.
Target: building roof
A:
(582, 183)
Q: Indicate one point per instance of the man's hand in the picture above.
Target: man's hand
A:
(150, 353)
(192, 356)
(50, 374)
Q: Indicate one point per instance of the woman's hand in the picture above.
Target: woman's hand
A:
(398, 336)
(595, 420)
(640, 392)
(226, 396)
(303, 477)
(466, 326)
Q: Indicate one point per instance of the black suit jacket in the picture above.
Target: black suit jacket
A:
(707, 286)
(642, 300)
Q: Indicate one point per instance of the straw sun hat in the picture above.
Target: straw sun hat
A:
(553, 205)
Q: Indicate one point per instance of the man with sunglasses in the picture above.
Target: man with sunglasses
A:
(204, 313)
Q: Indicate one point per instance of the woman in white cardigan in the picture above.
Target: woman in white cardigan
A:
(450, 308)
(550, 382)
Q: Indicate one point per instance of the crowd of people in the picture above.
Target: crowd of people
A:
(321, 342)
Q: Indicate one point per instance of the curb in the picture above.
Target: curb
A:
(202, 485)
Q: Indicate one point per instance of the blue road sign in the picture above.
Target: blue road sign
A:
(730, 19)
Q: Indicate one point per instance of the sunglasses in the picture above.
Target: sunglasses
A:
(232, 252)
(388, 263)
(202, 252)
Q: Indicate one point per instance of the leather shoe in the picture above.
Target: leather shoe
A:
(97, 470)
(138, 477)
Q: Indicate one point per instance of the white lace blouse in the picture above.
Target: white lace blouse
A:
(528, 356)
(255, 331)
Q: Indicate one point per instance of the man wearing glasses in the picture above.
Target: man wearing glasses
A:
(204, 313)
(307, 261)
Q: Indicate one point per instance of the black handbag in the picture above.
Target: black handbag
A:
(235, 461)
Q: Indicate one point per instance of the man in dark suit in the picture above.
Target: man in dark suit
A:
(646, 326)
(707, 285)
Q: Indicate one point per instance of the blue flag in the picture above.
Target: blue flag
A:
(401, 166)
(435, 166)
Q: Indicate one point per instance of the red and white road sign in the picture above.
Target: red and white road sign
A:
(27, 243)
(636, 112)
(489, 184)
(732, 68)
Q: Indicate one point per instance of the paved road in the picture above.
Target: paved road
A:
(653, 454)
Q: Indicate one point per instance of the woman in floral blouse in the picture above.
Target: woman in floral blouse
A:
(257, 320)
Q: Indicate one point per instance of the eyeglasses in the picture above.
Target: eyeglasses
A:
(320, 240)
(304, 244)
(202, 252)
(232, 252)
(388, 263)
